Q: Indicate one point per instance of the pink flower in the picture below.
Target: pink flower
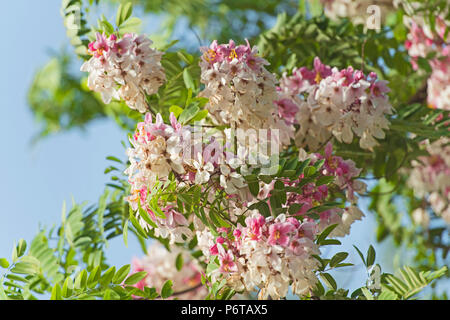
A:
(254, 226)
(214, 251)
(322, 71)
(379, 88)
(227, 263)
(100, 46)
(279, 234)
(220, 240)
(287, 110)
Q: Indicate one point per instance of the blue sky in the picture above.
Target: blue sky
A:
(37, 179)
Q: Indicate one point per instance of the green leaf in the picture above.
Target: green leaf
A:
(56, 293)
(80, 280)
(367, 293)
(135, 278)
(360, 254)
(176, 110)
(166, 290)
(67, 287)
(188, 114)
(329, 280)
(121, 274)
(114, 159)
(254, 188)
(132, 25)
(107, 277)
(294, 208)
(370, 256)
(188, 81)
(125, 233)
(324, 180)
(387, 294)
(309, 171)
(94, 277)
(25, 268)
(123, 13)
(263, 208)
(411, 281)
(202, 114)
(179, 261)
(4, 263)
(325, 233)
(107, 27)
(328, 242)
(424, 64)
(337, 258)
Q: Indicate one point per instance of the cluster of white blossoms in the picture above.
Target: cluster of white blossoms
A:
(438, 84)
(356, 10)
(337, 103)
(429, 179)
(125, 68)
(269, 254)
(160, 265)
(159, 150)
(240, 90)
(273, 254)
(156, 152)
(423, 40)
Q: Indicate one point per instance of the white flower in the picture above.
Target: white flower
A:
(203, 170)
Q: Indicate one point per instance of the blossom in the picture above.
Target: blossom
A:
(339, 103)
(272, 254)
(203, 170)
(279, 233)
(227, 263)
(240, 90)
(160, 265)
(345, 172)
(438, 84)
(125, 68)
(429, 177)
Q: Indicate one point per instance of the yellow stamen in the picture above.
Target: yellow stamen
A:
(233, 54)
(277, 235)
(318, 77)
(210, 55)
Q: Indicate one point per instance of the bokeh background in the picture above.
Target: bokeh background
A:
(38, 175)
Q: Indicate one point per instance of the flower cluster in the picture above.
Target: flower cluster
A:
(438, 84)
(271, 254)
(160, 150)
(125, 68)
(160, 266)
(421, 41)
(155, 153)
(429, 179)
(424, 40)
(240, 90)
(345, 174)
(337, 103)
(275, 252)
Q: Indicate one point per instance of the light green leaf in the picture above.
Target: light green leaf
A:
(121, 274)
(135, 278)
(4, 263)
(166, 290)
